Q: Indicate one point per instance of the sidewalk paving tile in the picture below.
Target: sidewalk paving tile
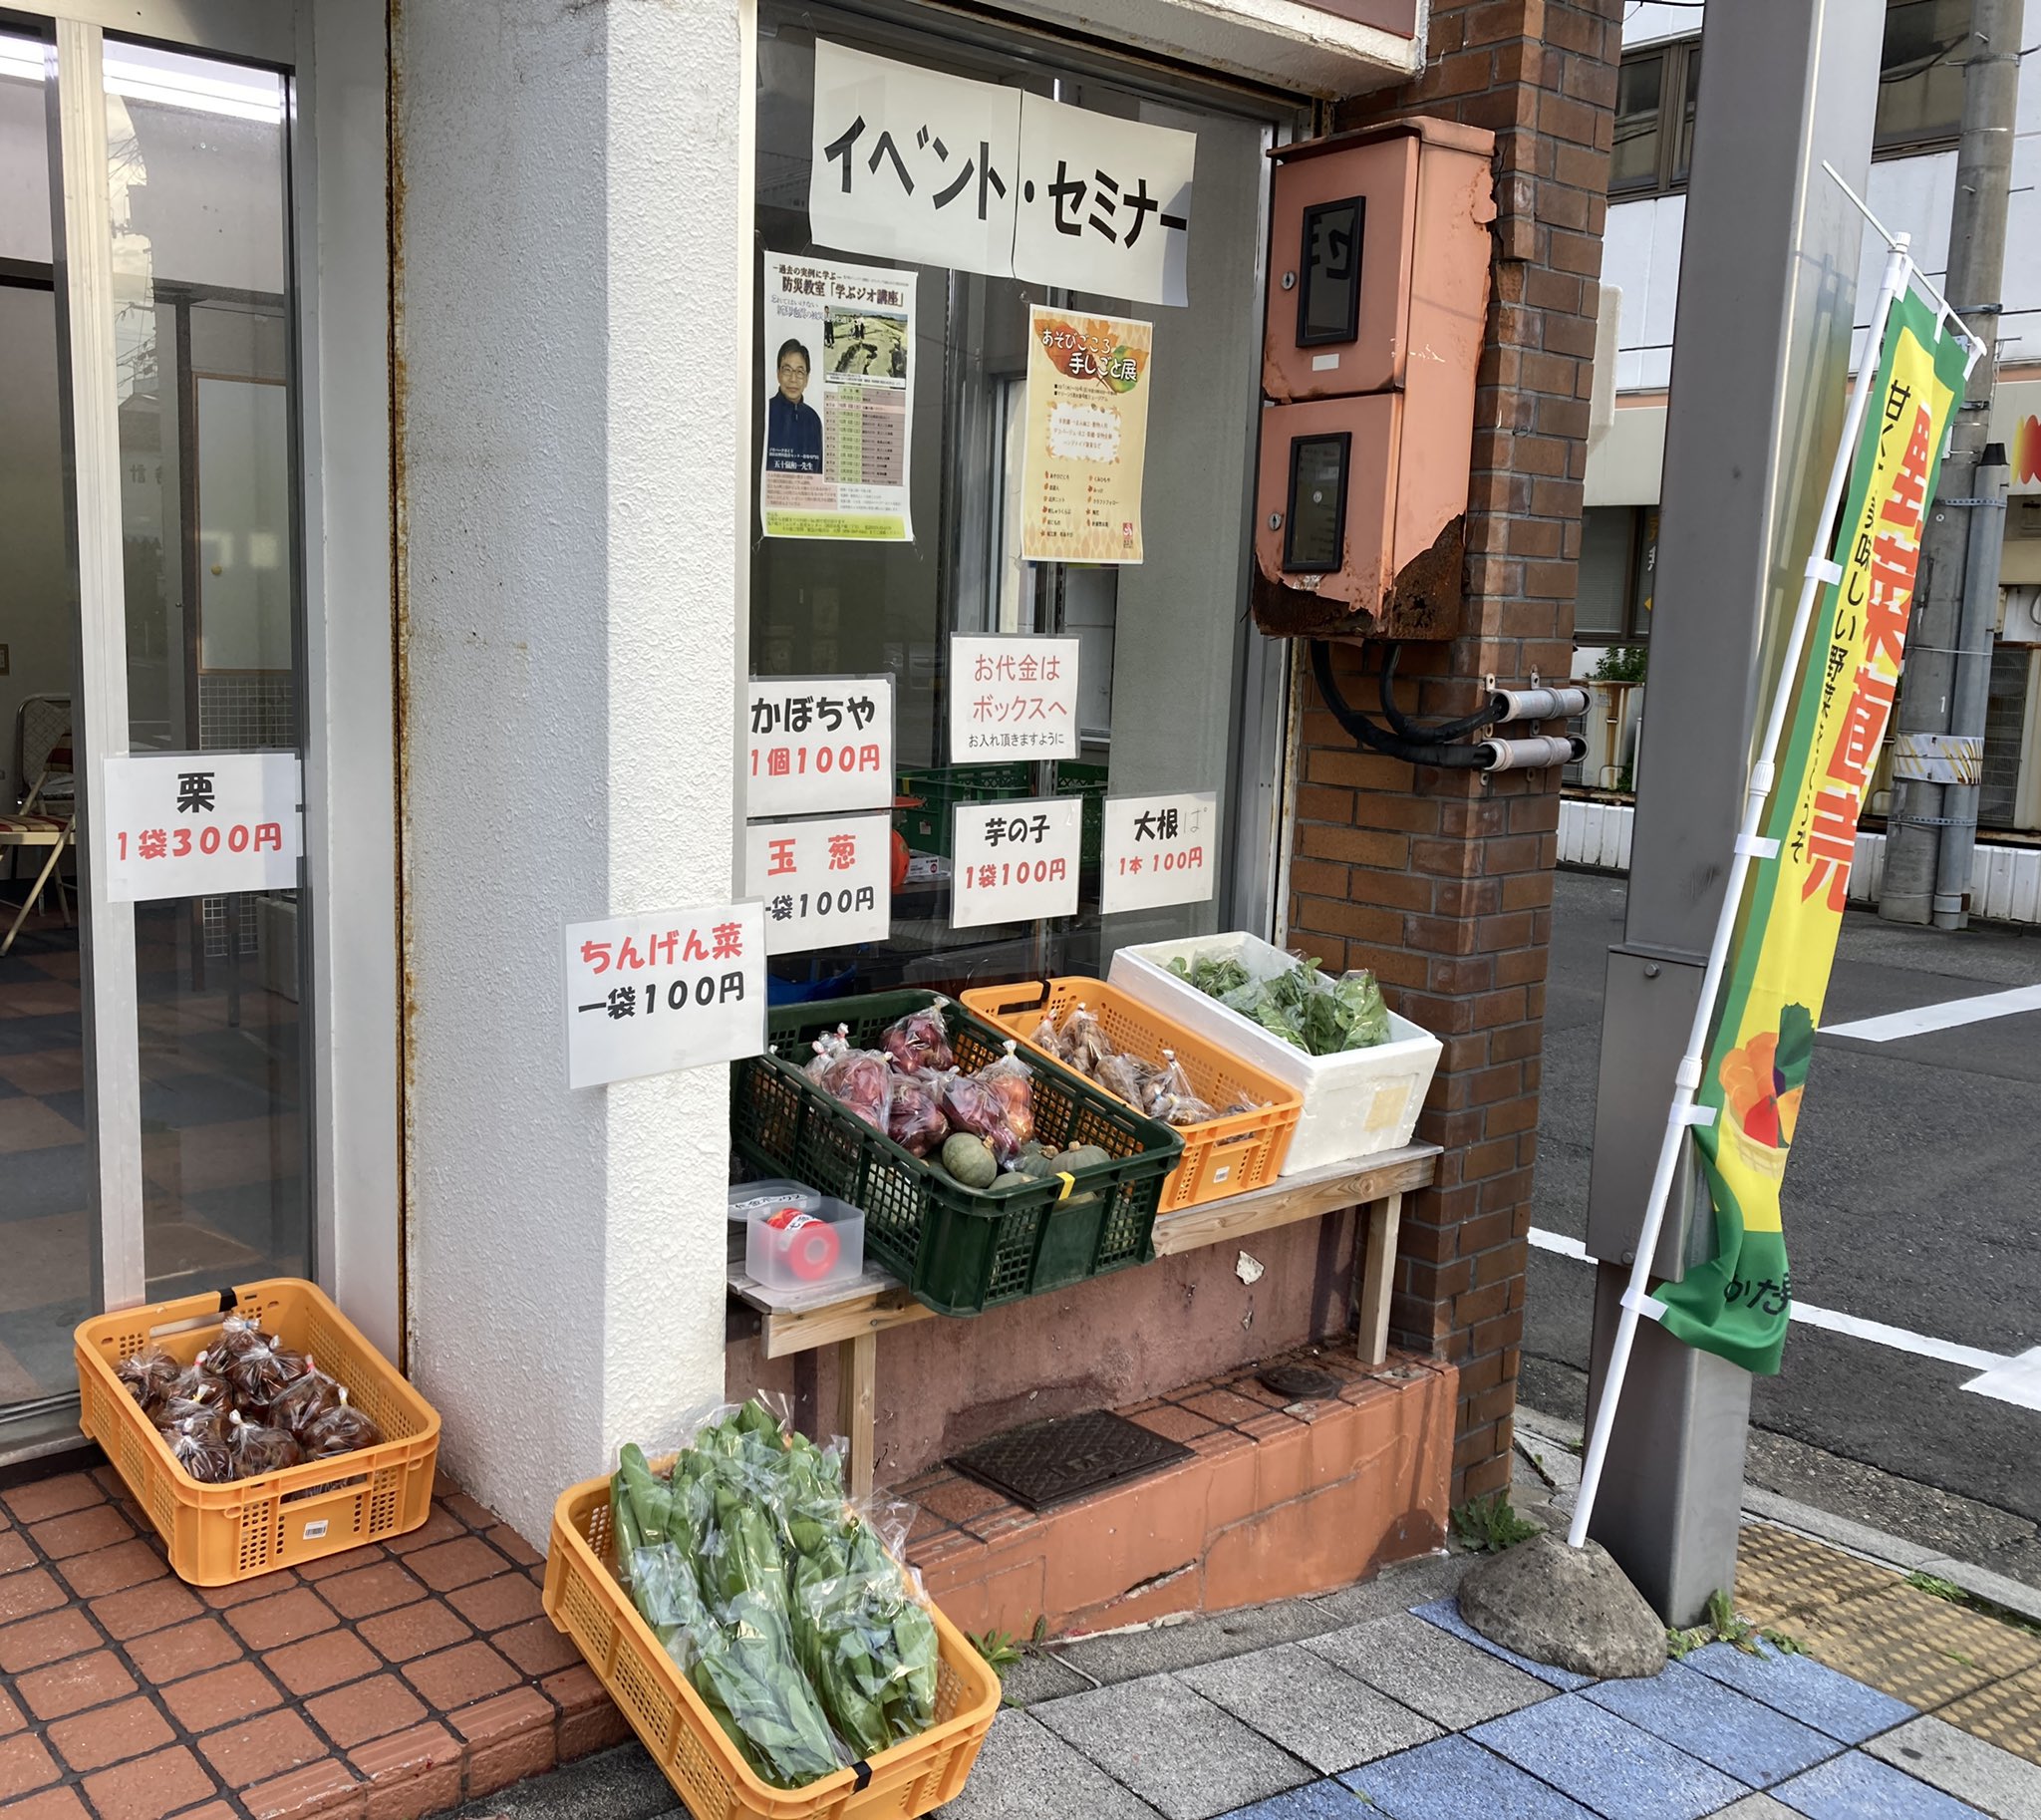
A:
(1740, 1736)
(1453, 1779)
(1172, 1747)
(1394, 1589)
(1858, 1787)
(1040, 1676)
(1024, 1771)
(1450, 1682)
(1964, 1766)
(1445, 1613)
(1609, 1765)
(1129, 1654)
(1312, 1709)
(1755, 1807)
(1314, 1801)
(1804, 1690)
(2006, 1713)
(1919, 1649)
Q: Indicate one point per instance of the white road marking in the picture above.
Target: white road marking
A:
(2012, 1380)
(1945, 1015)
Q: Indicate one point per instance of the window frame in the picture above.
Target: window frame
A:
(1666, 178)
(1636, 619)
(1911, 143)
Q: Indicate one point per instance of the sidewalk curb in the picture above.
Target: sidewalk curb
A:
(1895, 1552)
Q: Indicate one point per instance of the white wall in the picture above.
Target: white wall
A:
(573, 295)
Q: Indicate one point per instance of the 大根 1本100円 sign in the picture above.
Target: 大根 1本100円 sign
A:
(669, 990)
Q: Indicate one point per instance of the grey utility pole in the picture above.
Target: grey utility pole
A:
(1760, 374)
(1929, 735)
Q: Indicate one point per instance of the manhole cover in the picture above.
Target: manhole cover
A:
(1052, 1462)
(1301, 1382)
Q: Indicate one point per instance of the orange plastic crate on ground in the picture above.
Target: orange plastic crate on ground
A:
(218, 1534)
(584, 1598)
(1222, 1157)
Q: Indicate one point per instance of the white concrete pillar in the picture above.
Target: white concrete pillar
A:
(573, 296)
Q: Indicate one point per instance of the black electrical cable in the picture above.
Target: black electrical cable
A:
(1441, 731)
(1356, 724)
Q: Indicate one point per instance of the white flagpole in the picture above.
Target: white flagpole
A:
(1821, 571)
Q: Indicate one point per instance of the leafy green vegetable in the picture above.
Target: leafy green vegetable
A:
(1795, 1050)
(1322, 1017)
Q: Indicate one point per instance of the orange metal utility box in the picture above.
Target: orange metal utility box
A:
(1378, 266)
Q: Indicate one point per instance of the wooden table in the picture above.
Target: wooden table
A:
(1377, 1183)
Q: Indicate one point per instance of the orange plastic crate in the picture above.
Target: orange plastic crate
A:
(1225, 1157)
(218, 1534)
(583, 1599)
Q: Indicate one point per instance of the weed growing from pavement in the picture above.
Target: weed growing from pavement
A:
(1487, 1526)
(1938, 1587)
(1724, 1625)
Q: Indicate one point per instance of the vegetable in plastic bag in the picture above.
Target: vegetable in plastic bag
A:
(859, 1079)
(1361, 998)
(201, 1453)
(256, 1447)
(258, 1372)
(309, 1396)
(1011, 1084)
(1318, 1016)
(1084, 1042)
(342, 1429)
(914, 1120)
(237, 1335)
(146, 1375)
(866, 1642)
(918, 1041)
(1048, 1038)
(750, 1677)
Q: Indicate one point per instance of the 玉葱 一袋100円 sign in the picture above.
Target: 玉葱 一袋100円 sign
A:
(670, 990)
(825, 883)
(818, 744)
(190, 824)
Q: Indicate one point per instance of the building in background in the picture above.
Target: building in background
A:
(1919, 108)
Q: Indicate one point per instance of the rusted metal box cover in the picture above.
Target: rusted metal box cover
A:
(1377, 304)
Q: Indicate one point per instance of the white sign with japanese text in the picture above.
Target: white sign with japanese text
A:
(824, 884)
(1104, 202)
(191, 824)
(910, 165)
(670, 990)
(1012, 699)
(933, 169)
(1159, 851)
(820, 744)
(1015, 861)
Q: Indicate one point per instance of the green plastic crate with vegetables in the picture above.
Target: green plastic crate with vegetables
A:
(959, 1249)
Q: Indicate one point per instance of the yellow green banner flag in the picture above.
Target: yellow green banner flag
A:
(1736, 1304)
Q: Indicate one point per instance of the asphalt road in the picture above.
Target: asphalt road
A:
(1913, 1197)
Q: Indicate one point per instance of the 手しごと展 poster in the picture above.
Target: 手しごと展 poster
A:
(1087, 436)
(839, 400)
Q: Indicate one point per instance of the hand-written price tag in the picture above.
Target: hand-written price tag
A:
(820, 744)
(1013, 697)
(674, 989)
(1015, 861)
(1159, 851)
(823, 883)
(181, 824)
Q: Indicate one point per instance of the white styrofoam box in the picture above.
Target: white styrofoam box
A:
(1356, 1104)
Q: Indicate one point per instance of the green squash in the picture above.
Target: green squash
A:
(969, 1161)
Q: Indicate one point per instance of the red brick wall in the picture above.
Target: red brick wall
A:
(1439, 881)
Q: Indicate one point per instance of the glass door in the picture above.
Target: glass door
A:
(154, 1129)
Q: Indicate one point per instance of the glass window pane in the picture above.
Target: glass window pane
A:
(1921, 79)
(1640, 79)
(196, 165)
(44, 1159)
(1683, 154)
(1604, 574)
(1158, 640)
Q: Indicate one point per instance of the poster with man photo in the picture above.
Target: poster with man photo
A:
(839, 400)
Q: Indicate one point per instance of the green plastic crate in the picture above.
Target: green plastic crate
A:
(1087, 782)
(927, 828)
(958, 1249)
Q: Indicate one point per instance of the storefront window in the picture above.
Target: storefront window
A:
(1159, 642)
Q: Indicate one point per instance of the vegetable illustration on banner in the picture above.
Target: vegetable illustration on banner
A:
(912, 164)
(1736, 1305)
(1087, 437)
(840, 401)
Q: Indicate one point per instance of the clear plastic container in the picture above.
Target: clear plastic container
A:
(757, 1200)
(796, 1248)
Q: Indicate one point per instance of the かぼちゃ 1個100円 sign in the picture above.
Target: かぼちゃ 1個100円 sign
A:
(818, 745)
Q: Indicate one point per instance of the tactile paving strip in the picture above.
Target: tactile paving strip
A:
(1780, 1575)
(1919, 1649)
(2008, 1714)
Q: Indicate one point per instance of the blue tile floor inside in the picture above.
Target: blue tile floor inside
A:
(1720, 1732)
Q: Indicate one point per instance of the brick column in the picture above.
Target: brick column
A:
(1440, 882)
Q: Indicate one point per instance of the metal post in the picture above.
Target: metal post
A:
(1969, 696)
(1976, 269)
(1761, 357)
